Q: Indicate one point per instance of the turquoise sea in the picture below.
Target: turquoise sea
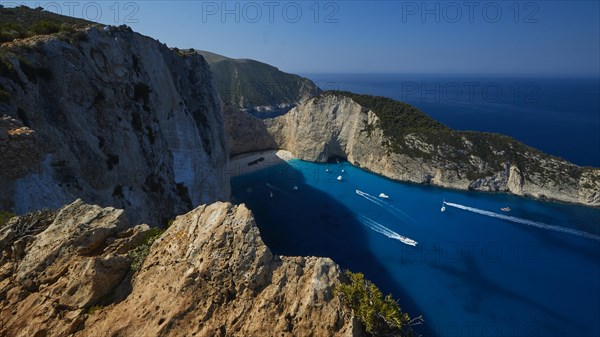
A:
(470, 274)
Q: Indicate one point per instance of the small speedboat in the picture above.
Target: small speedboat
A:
(295, 188)
(343, 171)
(443, 209)
(505, 209)
(327, 170)
(384, 196)
(270, 194)
(339, 178)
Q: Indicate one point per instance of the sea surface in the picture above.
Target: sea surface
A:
(560, 116)
(533, 271)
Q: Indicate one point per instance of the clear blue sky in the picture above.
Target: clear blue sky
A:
(501, 37)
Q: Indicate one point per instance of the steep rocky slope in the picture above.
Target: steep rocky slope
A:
(246, 133)
(334, 124)
(257, 87)
(67, 273)
(112, 117)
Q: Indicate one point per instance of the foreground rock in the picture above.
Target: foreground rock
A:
(335, 125)
(56, 265)
(112, 117)
(210, 274)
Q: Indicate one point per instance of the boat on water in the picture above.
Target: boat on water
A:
(505, 209)
(408, 241)
(339, 178)
(384, 196)
(443, 209)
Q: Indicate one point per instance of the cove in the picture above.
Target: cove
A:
(470, 274)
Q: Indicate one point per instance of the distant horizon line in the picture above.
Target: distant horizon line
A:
(545, 75)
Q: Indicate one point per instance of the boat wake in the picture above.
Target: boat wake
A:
(274, 188)
(279, 190)
(525, 221)
(381, 229)
(387, 206)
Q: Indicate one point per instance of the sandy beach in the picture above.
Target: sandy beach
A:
(251, 162)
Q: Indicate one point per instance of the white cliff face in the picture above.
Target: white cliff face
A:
(335, 125)
(119, 119)
(39, 188)
(320, 128)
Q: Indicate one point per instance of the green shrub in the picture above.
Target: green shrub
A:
(22, 22)
(7, 70)
(140, 253)
(67, 28)
(94, 309)
(380, 315)
(4, 96)
(4, 217)
(44, 27)
(397, 118)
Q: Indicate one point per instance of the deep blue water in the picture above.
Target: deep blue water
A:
(560, 116)
(469, 275)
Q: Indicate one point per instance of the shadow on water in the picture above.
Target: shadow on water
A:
(481, 287)
(308, 222)
(584, 248)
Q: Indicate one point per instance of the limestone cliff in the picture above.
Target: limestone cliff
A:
(336, 125)
(67, 273)
(112, 117)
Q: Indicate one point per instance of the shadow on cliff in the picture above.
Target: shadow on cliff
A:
(246, 133)
(308, 222)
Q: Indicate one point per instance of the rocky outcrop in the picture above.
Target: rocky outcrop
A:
(114, 118)
(67, 273)
(335, 125)
(56, 265)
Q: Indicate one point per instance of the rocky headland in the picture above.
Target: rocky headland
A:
(399, 142)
